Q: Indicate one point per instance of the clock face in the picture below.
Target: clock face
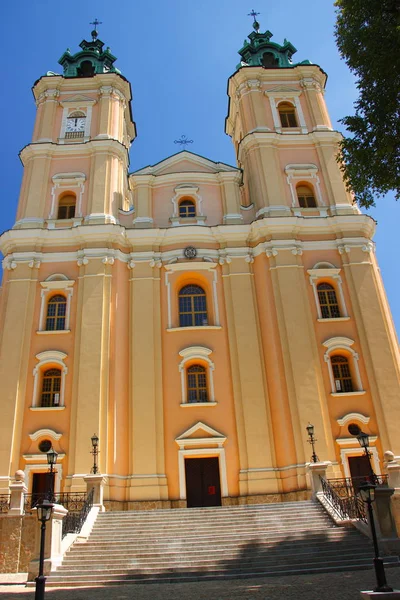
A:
(76, 123)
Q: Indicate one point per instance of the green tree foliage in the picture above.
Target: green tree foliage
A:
(368, 38)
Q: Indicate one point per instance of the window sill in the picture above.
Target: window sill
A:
(50, 332)
(194, 404)
(192, 327)
(339, 394)
(41, 408)
(332, 319)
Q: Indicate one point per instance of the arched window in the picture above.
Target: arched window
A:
(56, 313)
(192, 306)
(341, 374)
(66, 207)
(187, 209)
(328, 301)
(86, 69)
(305, 196)
(287, 114)
(51, 388)
(269, 61)
(197, 384)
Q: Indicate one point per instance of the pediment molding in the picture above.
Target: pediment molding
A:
(201, 434)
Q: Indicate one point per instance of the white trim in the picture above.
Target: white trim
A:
(353, 416)
(194, 328)
(215, 452)
(49, 286)
(197, 404)
(346, 452)
(350, 440)
(343, 343)
(192, 266)
(210, 447)
(300, 113)
(45, 432)
(304, 172)
(45, 358)
(43, 467)
(191, 192)
(196, 353)
(333, 274)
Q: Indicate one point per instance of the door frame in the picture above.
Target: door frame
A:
(203, 453)
(346, 452)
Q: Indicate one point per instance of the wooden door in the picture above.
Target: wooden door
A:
(203, 486)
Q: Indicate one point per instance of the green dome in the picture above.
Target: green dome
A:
(261, 52)
(90, 61)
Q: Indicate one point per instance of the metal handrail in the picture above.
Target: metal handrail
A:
(73, 521)
(4, 503)
(344, 500)
(72, 501)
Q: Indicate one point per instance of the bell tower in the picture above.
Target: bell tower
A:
(76, 165)
(281, 130)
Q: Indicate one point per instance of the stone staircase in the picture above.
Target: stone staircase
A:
(212, 543)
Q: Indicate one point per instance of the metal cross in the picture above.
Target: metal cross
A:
(253, 14)
(256, 24)
(95, 23)
(183, 141)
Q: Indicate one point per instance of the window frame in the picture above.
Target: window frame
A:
(192, 312)
(197, 355)
(200, 371)
(292, 112)
(187, 203)
(53, 376)
(48, 359)
(61, 205)
(328, 273)
(341, 346)
(306, 197)
(54, 300)
(328, 305)
(54, 284)
(64, 183)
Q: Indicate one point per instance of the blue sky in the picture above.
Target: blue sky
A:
(178, 56)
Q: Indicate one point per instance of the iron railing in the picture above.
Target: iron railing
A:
(73, 521)
(4, 503)
(72, 501)
(343, 496)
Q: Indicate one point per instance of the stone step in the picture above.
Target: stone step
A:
(182, 559)
(255, 520)
(215, 541)
(202, 574)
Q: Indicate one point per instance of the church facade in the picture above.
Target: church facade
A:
(196, 316)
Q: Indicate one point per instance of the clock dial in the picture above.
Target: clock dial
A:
(75, 124)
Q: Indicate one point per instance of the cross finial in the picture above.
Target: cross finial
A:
(183, 141)
(94, 32)
(256, 24)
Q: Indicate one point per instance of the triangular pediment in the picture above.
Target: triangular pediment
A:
(185, 162)
(283, 89)
(200, 433)
(78, 98)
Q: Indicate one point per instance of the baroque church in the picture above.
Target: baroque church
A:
(196, 316)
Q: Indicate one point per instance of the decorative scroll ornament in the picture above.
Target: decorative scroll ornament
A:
(108, 260)
(34, 264)
(82, 261)
(156, 263)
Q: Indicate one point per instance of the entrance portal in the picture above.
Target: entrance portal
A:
(40, 486)
(202, 482)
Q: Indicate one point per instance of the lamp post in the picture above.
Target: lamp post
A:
(367, 492)
(312, 440)
(43, 513)
(51, 460)
(363, 440)
(95, 452)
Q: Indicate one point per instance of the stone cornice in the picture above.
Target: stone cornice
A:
(50, 150)
(340, 232)
(76, 85)
(266, 138)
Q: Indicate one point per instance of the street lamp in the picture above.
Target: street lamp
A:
(367, 493)
(51, 460)
(43, 514)
(95, 452)
(312, 440)
(363, 440)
